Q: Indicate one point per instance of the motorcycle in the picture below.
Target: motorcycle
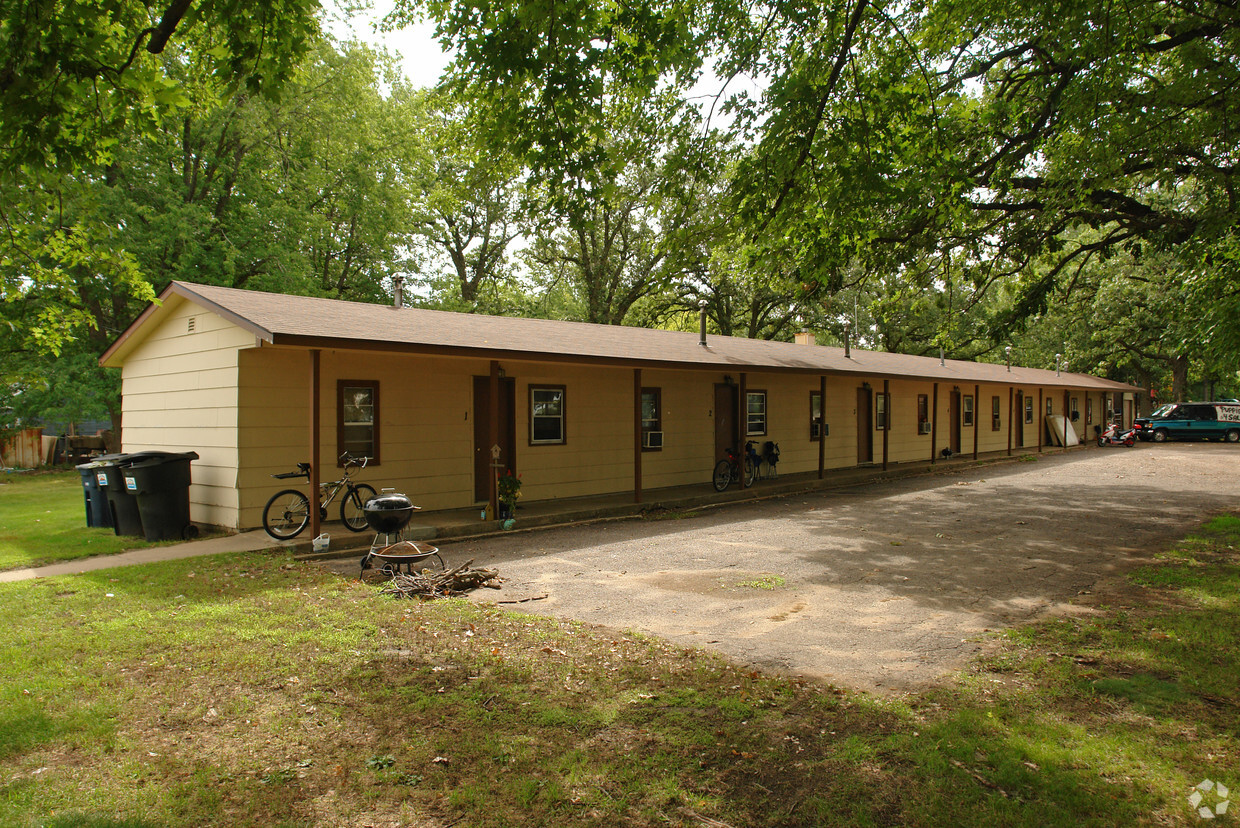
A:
(1114, 437)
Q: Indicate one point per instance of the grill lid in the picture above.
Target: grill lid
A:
(388, 512)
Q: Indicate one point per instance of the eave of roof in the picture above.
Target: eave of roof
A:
(302, 321)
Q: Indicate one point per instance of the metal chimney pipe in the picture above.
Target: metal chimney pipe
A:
(942, 364)
(1057, 356)
(702, 322)
(398, 291)
(1008, 352)
(847, 341)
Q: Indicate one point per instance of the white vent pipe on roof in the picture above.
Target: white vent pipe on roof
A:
(398, 291)
(702, 322)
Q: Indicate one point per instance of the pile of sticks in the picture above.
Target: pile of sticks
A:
(428, 584)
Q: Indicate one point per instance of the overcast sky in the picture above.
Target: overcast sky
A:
(415, 47)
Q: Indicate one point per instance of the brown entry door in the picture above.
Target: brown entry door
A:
(482, 432)
(865, 427)
(1020, 420)
(726, 434)
(954, 418)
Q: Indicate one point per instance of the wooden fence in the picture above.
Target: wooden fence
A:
(27, 449)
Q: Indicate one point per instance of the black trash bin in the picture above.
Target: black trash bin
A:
(98, 514)
(126, 520)
(160, 482)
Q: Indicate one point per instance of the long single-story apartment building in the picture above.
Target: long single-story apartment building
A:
(257, 382)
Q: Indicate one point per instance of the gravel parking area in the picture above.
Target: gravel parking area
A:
(885, 587)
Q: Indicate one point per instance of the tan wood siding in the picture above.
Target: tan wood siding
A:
(180, 394)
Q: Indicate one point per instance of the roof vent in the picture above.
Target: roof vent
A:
(398, 291)
(702, 322)
(847, 341)
(190, 324)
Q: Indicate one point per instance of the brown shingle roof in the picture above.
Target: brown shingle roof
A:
(302, 320)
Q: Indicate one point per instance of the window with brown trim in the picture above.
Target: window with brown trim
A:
(1089, 410)
(815, 416)
(996, 418)
(652, 419)
(966, 411)
(547, 415)
(923, 413)
(880, 411)
(1028, 410)
(357, 418)
(755, 413)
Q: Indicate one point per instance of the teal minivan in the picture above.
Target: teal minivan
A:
(1191, 421)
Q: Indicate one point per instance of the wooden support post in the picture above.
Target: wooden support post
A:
(1011, 424)
(493, 439)
(637, 435)
(742, 425)
(934, 426)
(977, 403)
(822, 427)
(315, 425)
(1041, 420)
(886, 418)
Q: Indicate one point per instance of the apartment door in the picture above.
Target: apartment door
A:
(865, 426)
(1018, 424)
(954, 417)
(483, 470)
(726, 433)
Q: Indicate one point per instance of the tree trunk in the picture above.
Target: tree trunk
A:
(1179, 378)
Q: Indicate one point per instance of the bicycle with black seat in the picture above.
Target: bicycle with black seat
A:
(728, 470)
(287, 513)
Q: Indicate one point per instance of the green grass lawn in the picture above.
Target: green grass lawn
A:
(43, 521)
(256, 690)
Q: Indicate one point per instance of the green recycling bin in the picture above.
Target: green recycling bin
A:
(159, 481)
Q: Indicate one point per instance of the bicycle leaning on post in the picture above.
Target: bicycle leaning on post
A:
(728, 470)
(287, 513)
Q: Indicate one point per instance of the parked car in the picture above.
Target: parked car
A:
(1191, 421)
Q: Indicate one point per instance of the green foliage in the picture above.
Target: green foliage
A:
(957, 162)
(544, 71)
(75, 76)
(465, 207)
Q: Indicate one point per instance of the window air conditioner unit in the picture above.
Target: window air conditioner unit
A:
(652, 439)
(923, 428)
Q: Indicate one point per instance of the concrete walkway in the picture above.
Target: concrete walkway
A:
(218, 545)
(457, 524)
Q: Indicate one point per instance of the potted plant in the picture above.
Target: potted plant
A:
(509, 492)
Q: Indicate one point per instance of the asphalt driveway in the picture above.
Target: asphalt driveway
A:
(887, 586)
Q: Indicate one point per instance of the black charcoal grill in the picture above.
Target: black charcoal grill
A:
(388, 514)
